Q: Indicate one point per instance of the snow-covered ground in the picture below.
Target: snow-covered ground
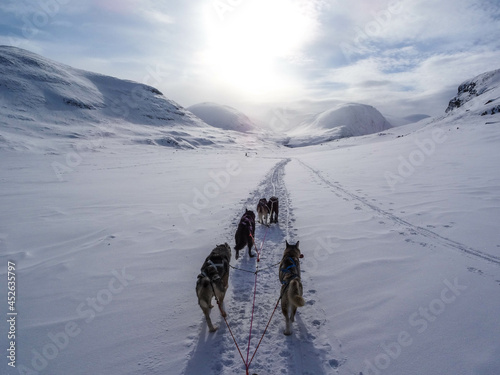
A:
(398, 277)
(399, 231)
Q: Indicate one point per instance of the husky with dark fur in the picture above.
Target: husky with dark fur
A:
(214, 278)
(263, 211)
(273, 205)
(245, 233)
(291, 285)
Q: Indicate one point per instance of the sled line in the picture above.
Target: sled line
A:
(227, 324)
(254, 294)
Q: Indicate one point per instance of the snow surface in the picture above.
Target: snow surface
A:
(222, 116)
(399, 230)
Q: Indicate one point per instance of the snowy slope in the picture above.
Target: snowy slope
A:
(44, 104)
(401, 271)
(479, 95)
(341, 121)
(222, 116)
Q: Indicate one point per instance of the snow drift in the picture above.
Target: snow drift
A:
(222, 116)
(341, 121)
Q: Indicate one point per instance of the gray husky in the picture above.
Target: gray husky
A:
(273, 205)
(214, 278)
(291, 286)
(263, 211)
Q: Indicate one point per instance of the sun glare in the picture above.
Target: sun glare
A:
(248, 45)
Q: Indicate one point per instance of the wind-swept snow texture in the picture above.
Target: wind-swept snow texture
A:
(399, 230)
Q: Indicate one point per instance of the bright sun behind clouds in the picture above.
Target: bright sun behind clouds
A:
(248, 45)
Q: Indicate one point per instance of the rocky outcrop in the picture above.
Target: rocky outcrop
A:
(473, 88)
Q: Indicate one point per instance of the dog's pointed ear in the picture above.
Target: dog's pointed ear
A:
(297, 244)
(286, 242)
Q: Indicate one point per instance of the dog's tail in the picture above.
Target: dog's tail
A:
(295, 293)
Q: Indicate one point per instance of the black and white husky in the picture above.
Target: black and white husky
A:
(213, 281)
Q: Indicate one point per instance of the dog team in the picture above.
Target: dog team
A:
(214, 277)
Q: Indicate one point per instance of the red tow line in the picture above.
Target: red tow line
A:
(247, 362)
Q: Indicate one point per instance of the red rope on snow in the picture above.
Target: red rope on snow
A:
(265, 330)
(251, 320)
(247, 362)
(262, 245)
(229, 328)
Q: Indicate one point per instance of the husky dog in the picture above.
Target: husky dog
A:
(245, 233)
(291, 286)
(214, 278)
(273, 205)
(263, 210)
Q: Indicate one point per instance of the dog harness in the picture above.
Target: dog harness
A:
(211, 271)
(290, 269)
(247, 222)
(271, 202)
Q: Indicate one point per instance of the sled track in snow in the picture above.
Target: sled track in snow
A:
(449, 243)
(307, 350)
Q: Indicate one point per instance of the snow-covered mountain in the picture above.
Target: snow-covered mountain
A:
(479, 95)
(222, 116)
(43, 101)
(342, 121)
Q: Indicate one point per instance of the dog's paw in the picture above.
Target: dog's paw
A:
(287, 333)
(213, 329)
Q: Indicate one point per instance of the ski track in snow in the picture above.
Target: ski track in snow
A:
(307, 351)
(409, 228)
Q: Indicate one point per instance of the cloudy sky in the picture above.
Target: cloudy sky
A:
(403, 57)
